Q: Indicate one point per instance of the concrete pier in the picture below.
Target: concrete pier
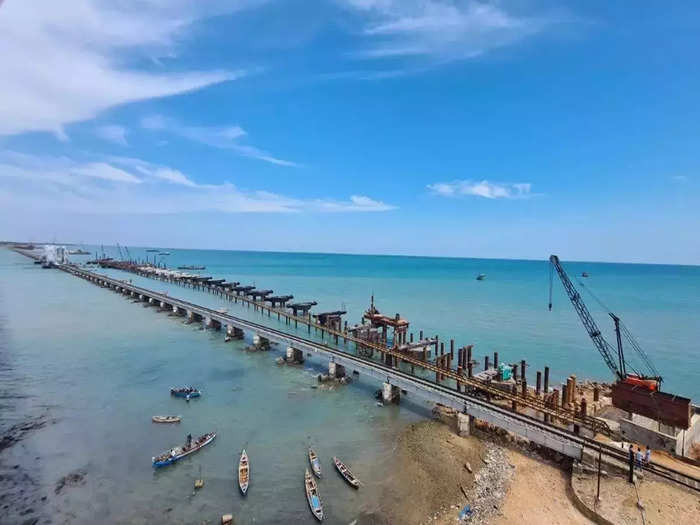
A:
(260, 342)
(464, 424)
(335, 370)
(296, 356)
(390, 393)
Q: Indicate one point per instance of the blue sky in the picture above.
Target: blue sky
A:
(425, 127)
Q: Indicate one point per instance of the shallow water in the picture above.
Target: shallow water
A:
(101, 366)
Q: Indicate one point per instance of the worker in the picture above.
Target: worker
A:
(631, 464)
(647, 456)
(189, 440)
(639, 457)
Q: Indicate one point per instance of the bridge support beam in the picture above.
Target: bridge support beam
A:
(390, 393)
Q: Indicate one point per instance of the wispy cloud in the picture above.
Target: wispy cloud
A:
(223, 137)
(441, 30)
(679, 178)
(119, 185)
(484, 188)
(112, 133)
(62, 64)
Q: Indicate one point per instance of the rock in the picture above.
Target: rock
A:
(468, 466)
(73, 479)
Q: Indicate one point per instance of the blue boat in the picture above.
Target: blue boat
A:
(186, 392)
(177, 453)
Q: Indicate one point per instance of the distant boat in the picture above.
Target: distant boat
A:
(186, 392)
(163, 253)
(177, 453)
(345, 472)
(191, 267)
(78, 252)
(315, 463)
(312, 496)
(152, 250)
(584, 274)
(166, 419)
(243, 473)
(481, 277)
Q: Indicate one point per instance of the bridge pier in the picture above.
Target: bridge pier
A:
(390, 393)
(190, 317)
(260, 342)
(335, 370)
(233, 333)
(465, 423)
(295, 356)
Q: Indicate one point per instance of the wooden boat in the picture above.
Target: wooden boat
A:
(312, 496)
(315, 463)
(177, 453)
(345, 472)
(243, 473)
(166, 419)
(481, 277)
(185, 391)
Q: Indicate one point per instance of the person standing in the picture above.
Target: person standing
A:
(647, 456)
(631, 464)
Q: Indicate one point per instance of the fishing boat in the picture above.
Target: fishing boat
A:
(152, 250)
(164, 253)
(345, 472)
(584, 274)
(315, 463)
(481, 277)
(191, 267)
(186, 391)
(166, 419)
(243, 473)
(312, 496)
(177, 453)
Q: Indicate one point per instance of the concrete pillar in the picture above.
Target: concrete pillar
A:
(336, 370)
(162, 304)
(190, 316)
(563, 394)
(495, 360)
(452, 349)
(596, 393)
(569, 390)
(174, 309)
(539, 383)
(390, 393)
(464, 424)
(486, 362)
(260, 342)
(522, 370)
(546, 379)
(515, 372)
(572, 395)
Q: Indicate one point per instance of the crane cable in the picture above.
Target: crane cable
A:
(628, 335)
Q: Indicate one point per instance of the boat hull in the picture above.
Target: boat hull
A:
(175, 393)
(177, 457)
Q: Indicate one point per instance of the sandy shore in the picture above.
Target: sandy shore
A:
(504, 485)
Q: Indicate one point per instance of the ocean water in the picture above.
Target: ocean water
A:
(101, 366)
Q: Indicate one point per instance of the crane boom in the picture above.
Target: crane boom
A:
(605, 349)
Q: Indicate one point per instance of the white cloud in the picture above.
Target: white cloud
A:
(119, 185)
(441, 29)
(63, 63)
(112, 133)
(224, 137)
(484, 188)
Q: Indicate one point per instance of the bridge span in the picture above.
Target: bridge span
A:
(467, 404)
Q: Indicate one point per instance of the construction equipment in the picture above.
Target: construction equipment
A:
(616, 363)
(634, 392)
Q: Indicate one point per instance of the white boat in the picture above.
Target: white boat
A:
(166, 419)
(315, 463)
(243, 473)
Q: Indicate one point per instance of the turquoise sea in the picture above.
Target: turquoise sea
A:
(99, 367)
